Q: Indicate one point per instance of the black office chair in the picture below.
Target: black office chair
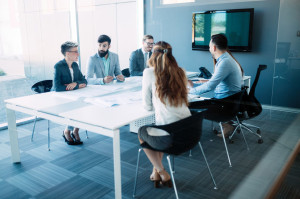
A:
(250, 108)
(186, 134)
(42, 87)
(126, 72)
(221, 111)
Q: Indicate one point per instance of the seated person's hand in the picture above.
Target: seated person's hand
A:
(108, 79)
(82, 85)
(120, 78)
(190, 84)
(71, 86)
(201, 81)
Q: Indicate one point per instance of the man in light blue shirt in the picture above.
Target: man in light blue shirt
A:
(226, 80)
(227, 77)
(104, 65)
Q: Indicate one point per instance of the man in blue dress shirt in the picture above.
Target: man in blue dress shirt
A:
(138, 58)
(227, 77)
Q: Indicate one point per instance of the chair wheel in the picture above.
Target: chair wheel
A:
(231, 141)
(258, 131)
(259, 141)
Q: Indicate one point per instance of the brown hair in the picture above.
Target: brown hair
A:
(145, 37)
(171, 81)
(221, 42)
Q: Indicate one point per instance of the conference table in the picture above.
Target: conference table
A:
(102, 109)
(84, 109)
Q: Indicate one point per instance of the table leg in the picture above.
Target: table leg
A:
(117, 164)
(13, 135)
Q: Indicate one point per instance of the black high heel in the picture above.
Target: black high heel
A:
(67, 141)
(77, 142)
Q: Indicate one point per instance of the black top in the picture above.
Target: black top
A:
(62, 76)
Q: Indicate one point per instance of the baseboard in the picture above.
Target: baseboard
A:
(19, 122)
(281, 108)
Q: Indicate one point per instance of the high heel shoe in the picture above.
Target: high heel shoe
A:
(77, 142)
(165, 178)
(67, 141)
(155, 177)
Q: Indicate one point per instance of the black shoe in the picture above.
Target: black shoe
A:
(67, 141)
(77, 142)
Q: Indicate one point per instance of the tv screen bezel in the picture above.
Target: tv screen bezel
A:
(247, 48)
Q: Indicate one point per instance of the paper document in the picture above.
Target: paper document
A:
(193, 98)
(117, 99)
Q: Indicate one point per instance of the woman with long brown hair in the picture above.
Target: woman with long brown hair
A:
(164, 89)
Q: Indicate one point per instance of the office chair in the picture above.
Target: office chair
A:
(186, 134)
(250, 108)
(221, 111)
(42, 87)
(126, 72)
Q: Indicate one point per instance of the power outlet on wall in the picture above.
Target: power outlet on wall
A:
(298, 34)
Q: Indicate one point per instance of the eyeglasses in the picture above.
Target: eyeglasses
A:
(149, 44)
(73, 52)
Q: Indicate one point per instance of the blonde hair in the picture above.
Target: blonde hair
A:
(171, 81)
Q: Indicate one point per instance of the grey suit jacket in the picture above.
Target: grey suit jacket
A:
(62, 76)
(95, 68)
(136, 62)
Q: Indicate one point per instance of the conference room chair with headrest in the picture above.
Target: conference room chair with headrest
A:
(43, 87)
(186, 134)
(250, 108)
(125, 72)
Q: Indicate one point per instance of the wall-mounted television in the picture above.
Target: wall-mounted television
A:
(236, 24)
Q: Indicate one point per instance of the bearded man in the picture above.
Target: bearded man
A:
(104, 65)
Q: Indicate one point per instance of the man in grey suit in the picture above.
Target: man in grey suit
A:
(104, 65)
(138, 58)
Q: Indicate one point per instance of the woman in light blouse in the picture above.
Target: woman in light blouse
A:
(164, 89)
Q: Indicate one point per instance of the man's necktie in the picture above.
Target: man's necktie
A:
(145, 60)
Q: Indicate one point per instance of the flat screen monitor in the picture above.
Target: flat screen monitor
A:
(236, 24)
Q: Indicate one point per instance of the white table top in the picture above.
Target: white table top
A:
(79, 109)
(39, 101)
(109, 117)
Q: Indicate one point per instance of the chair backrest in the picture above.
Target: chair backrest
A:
(185, 133)
(42, 86)
(259, 69)
(126, 72)
(250, 104)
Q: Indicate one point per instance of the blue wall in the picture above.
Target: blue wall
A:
(174, 24)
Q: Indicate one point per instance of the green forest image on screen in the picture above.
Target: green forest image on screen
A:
(234, 25)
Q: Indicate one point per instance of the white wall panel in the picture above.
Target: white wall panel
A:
(127, 31)
(53, 35)
(31, 5)
(87, 36)
(105, 23)
(118, 21)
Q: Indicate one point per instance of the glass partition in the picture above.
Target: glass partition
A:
(286, 92)
(31, 33)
